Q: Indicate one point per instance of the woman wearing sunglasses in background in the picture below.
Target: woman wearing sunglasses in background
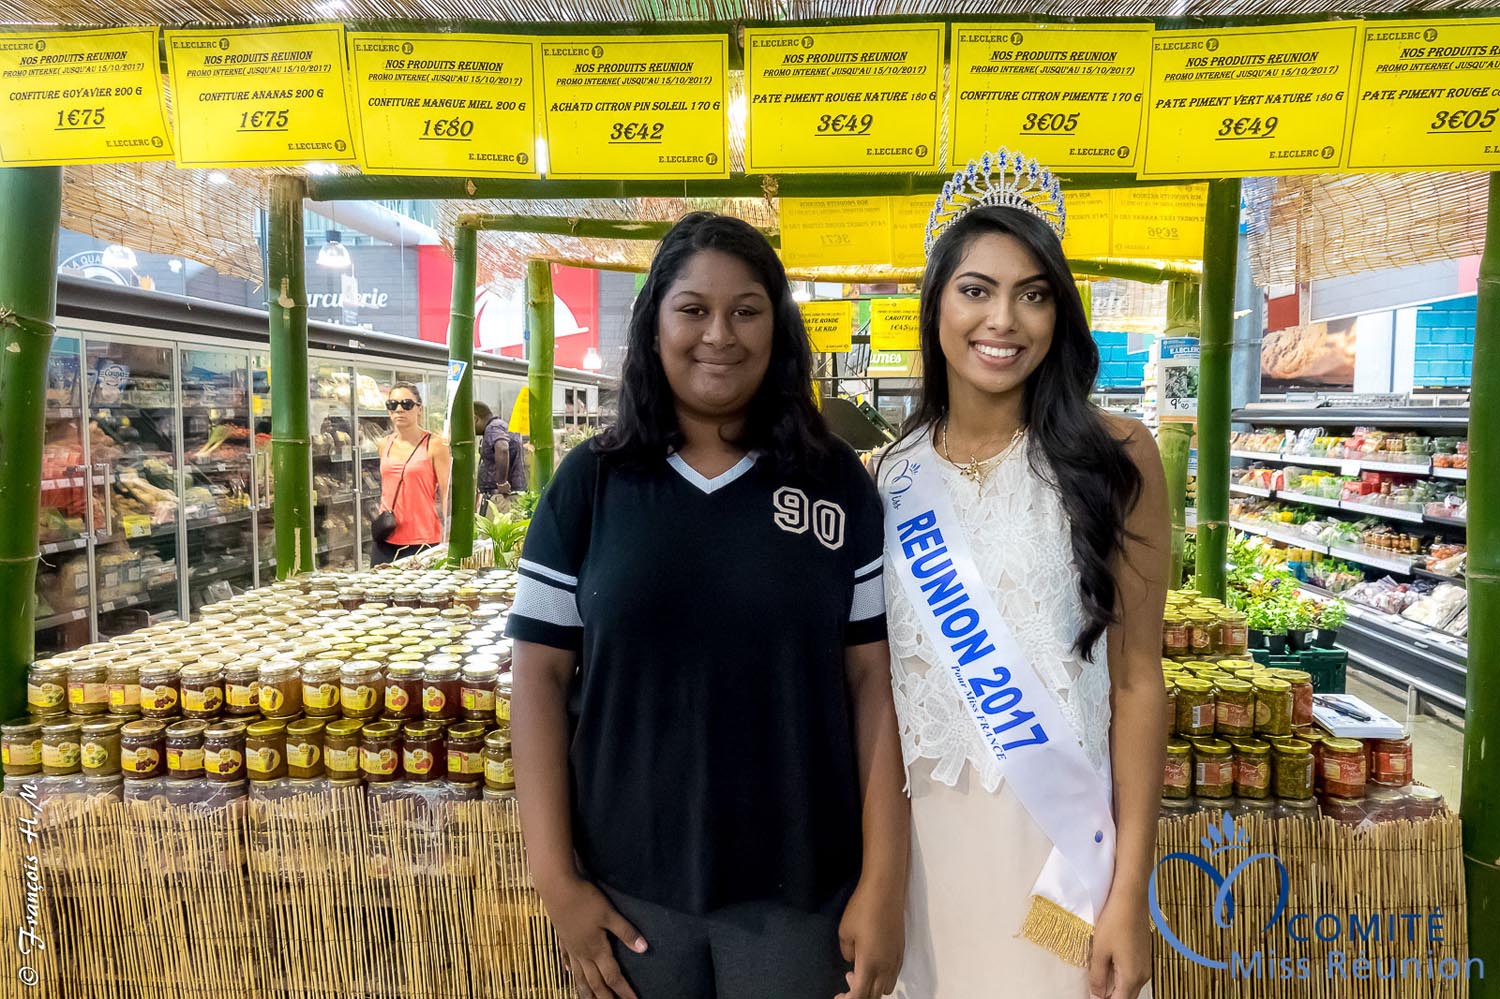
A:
(414, 470)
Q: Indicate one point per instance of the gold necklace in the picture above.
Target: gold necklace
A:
(976, 470)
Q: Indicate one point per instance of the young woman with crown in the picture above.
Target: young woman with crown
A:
(1027, 543)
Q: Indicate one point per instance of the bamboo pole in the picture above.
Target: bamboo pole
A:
(1220, 235)
(1481, 774)
(461, 484)
(363, 187)
(291, 449)
(1176, 439)
(539, 367)
(30, 207)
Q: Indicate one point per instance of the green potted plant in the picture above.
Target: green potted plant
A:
(1331, 618)
(1302, 617)
(1267, 628)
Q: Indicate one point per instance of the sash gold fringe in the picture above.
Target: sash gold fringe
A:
(1055, 929)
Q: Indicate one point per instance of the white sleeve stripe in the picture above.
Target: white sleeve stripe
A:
(544, 602)
(542, 570)
(869, 568)
(869, 600)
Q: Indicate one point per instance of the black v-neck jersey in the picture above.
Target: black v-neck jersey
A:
(712, 743)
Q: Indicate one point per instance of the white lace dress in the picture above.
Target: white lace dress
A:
(975, 850)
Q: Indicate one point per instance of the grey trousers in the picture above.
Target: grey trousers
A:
(753, 950)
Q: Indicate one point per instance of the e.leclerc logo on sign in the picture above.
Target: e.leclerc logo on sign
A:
(1353, 930)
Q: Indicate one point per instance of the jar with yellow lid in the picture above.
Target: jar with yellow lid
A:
(159, 691)
(224, 752)
(202, 690)
(47, 689)
(265, 750)
(62, 752)
(361, 689)
(21, 748)
(320, 688)
(1234, 713)
(185, 749)
(1195, 707)
(280, 690)
(1252, 768)
(1234, 633)
(124, 683)
(1302, 694)
(380, 752)
(465, 746)
(1273, 707)
(143, 750)
(88, 688)
(403, 690)
(99, 747)
(341, 749)
(304, 748)
(1177, 778)
(1213, 769)
(1201, 635)
(1171, 707)
(499, 770)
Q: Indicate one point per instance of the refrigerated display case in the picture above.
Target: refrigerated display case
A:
(217, 501)
(63, 616)
(134, 455)
(335, 499)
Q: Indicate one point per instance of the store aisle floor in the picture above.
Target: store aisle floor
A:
(1437, 743)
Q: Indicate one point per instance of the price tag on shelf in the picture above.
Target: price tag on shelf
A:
(830, 326)
(1428, 96)
(1069, 95)
(259, 96)
(894, 324)
(1235, 102)
(447, 105)
(863, 97)
(81, 97)
(135, 526)
(1349, 467)
(636, 108)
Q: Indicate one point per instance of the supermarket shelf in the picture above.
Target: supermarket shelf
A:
(76, 482)
(1350, 466)
(1448, 522)
(124, 603)
(64, 413)
(1240, 525)
(218, 520)
(1316, 461)
(346, 496)
(54, 547)
(1398, 467)
(1373, 558)
(1444, 417)
(1296, 497)
(1389, 512)
(1296, 539)
(1437, 576)
(202, 576)
(66, 617)
(1240, 490)
(1461, 474)
(1256, 455)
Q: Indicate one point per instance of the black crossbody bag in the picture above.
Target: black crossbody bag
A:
(384, 523)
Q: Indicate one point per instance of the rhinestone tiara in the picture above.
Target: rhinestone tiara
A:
(1001, 178)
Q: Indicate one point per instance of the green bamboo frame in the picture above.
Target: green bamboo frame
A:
(462, 487)
(1221, 232)
(1481, 774)
(291, 446)
(541, 332)
(30, 210)
(1176, 439)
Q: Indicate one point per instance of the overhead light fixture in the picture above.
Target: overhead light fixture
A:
(334, 254)
(591, 360)
(218, 177)
(119, 258)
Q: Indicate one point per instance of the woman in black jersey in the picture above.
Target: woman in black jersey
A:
(706, 749)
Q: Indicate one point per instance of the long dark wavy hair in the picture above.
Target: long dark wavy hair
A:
(1070, 443)
(783, 421)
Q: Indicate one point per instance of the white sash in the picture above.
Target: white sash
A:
(1012, 707)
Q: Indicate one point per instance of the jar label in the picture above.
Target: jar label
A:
(22, 754)
(462, 762)
(396, 698)
(162, 698)
(303, 754)
(1387, 762)
(478, 699)
(322, 695)
(1201, 638)
(1176, 773)
(143, 761)
(1252, 773)
(1203, 717)
(45, 695)
(271, 698)
(262, 760)
(206, 700)
(1231, 715)
(188, 760)
(502, 709)
(238, 695)
(433, 699)
(124, 695)
(223, 762)
(1343, 769)
(343, 760)
(62, 754)
(418, 761)
(1215, 773)
(500, 773)
(377, 761)
(360, 698)
(94, 755)
(88, 693)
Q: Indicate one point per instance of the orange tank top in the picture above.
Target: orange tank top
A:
(415, 507)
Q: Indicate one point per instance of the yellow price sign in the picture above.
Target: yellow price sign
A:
(835, 232)
(81, 97)
(1070, 96)
(1160, 223)
(909, 217)
(1428, 97)
(645, 107)
(1088, 229)
(830, 326)
(895, 324)
(1234, 102)
(863, 97)
(450, 105)
(259, 96)
(520, 414)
